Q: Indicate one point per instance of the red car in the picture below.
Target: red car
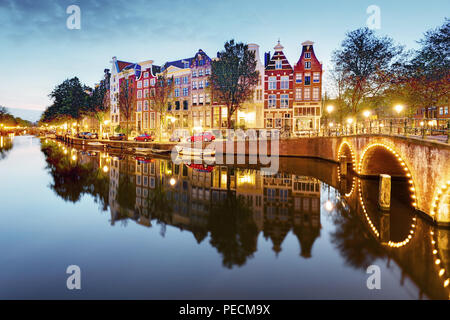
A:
(145, 137)
(201, 167)
(204, 136)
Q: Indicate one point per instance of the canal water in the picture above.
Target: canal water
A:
(147, 228)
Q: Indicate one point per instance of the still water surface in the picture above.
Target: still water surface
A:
(146, 228)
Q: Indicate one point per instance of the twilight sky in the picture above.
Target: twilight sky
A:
(38, 51)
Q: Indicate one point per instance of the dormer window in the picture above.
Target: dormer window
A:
(278, 64)
(308, 55)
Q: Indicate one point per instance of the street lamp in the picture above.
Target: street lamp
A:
(330, 109)
(366, 114)
(398, 108)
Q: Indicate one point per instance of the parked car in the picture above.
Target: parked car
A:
(91, 135)
(119, 136)
(178, 135)
(145, 137)
(82, 135)
(204, 136)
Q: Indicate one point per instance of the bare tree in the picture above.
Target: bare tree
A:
(126, 101)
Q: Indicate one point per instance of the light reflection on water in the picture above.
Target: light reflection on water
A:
(146, 228)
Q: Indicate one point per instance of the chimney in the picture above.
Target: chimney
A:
(266, 58)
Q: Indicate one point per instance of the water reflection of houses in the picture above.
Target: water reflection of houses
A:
(279, 204)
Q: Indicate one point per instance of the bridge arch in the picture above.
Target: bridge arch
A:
(379, 158)
(346, 149)
(441, 203)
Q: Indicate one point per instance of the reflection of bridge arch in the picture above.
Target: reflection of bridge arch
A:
(346, 149)
(376, 231)
(378, 158)
(442, 272)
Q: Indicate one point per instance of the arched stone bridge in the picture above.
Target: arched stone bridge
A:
(425, 164)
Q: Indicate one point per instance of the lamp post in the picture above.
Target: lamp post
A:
(366, 114)
(330, 109)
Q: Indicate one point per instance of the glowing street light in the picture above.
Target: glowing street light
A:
(366, 114)
(349, 120)
(330, 108)
(398, 108)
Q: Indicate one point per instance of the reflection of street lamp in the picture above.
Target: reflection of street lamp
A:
(328, 206)
(172, 181)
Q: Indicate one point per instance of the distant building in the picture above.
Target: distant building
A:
(307, 90)
(251, 113)
(278, 94)
(201, 98)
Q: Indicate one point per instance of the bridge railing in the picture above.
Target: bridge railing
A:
(427, 129)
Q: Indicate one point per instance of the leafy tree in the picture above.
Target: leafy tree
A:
(233, 77)
(425, 78)
(126, 101)
(99, 101)
(70, 102)
(160, 98)
(364, 66)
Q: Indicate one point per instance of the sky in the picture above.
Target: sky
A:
(38, 51)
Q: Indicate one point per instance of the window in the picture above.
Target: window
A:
(298, 78)
(278, 123)
(177, 92)
(186, 64)
(272, 83)
(194, 84)
(316, 94)
(185, 80)
(208, 118)
(177, 105)
(200, 73)
(278, 64)
(145, 74)
(200, 99)
(207, 71)
(446, 110)
(185, 92)
(307, 94)
(152, 82)
(145, 93)
(207, 98)
(272, 101)
(316, 77)
(308, 55)
(284, 101)
(194, 99)
(284, 83)
(269, 122)
(194, 74)
(139, 84)
(206, 83)
(145, 120)
(152, 120)
(185, 105)
(145, 83)
(308, 65)
(307, 79)
(177, 81)
(139, 94)
(145, 105)
(298, 94)
(441, 110)
(200, 84)
(139, 106)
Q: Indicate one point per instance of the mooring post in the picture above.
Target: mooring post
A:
(343, 165)
(384, 194)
